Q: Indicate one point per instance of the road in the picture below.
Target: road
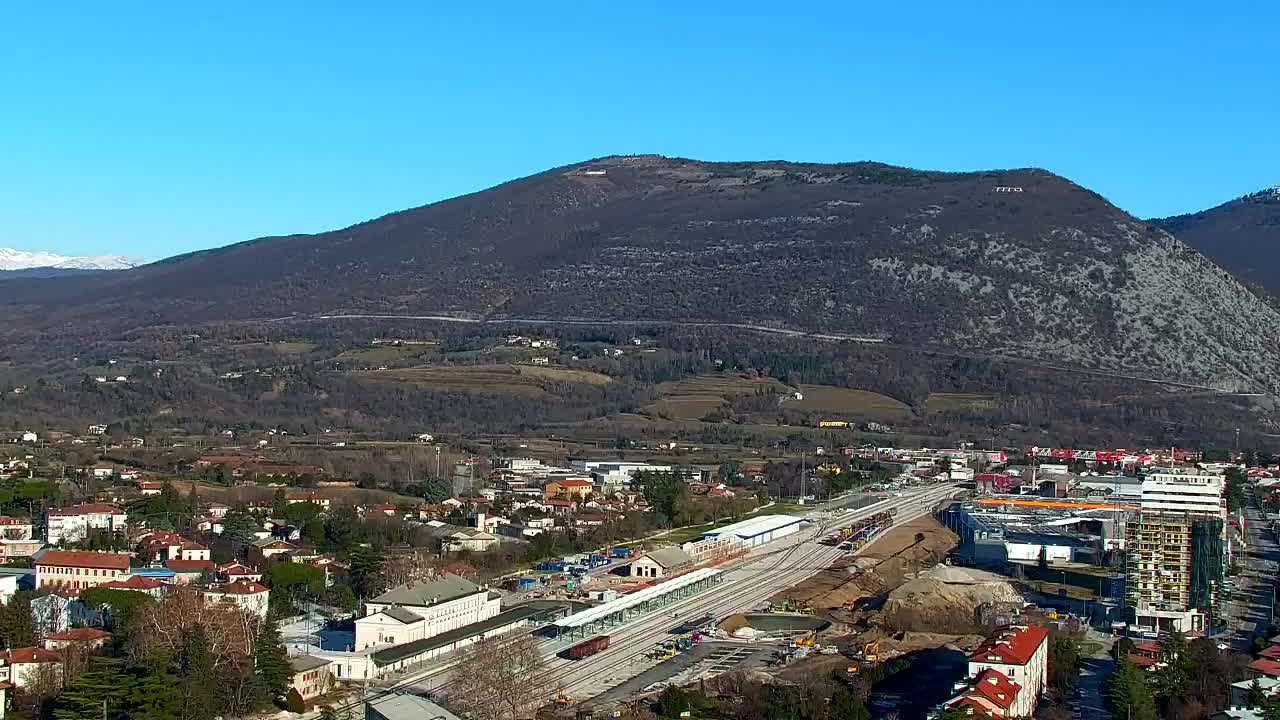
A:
(1248, 608)
(747, 584)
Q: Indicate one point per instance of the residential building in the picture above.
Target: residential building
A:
(421, 610)
(661, 563)
(137, 583)
(74, 523)
(234, 571)
(259, 550)
(1007, 672)
(247, 595)
(570, 488)
(1176, 551)
(85, 637)
(27, 666)
(18, 549)
(189, 571)
(78, 569)
(12, 528)
(60, 610)
(311, 678)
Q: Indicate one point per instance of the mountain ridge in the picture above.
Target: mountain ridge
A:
(1242, 235)
(1016, 262)
(13, 260)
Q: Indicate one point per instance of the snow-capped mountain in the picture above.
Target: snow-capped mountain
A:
(11, 259)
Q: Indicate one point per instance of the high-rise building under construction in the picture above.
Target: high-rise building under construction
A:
(1176, 552)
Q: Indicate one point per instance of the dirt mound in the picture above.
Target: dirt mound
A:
(881, 567)
(945, 600)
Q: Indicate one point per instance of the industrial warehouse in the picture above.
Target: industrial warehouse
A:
(762, 529)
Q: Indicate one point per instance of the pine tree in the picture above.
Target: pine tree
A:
(197, 684)
(845, 705)
(103, 691)
(1126, 694)
(366, 572)
(155, 693)
(271, 660)
(1257, 698)
(16, 622)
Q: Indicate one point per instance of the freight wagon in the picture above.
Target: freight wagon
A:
(587, 648)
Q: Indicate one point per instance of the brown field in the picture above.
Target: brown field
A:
(382, 354)
(843, 402)
(503, 379)
(694, 397)
(957, 401)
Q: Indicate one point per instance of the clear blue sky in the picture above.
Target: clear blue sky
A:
(148, 129)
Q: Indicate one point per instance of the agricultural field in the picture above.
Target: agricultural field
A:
(957, 401)
(845, 402)
(694, 397)
(382, 355)
(280, 347)
(525, 380)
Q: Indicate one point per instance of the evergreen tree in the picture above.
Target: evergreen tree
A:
(271, 660)
(328, 713)
(1257, 698)
(155, 693)
(366, 572)
(197, 682)
(16, 623)
(845, 705)
(1126, 694)
(103, 691)
(278, 503)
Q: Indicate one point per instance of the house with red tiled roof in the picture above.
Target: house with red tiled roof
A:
(1271, 653)
(188, 571)
(1265, 668)
(569, 487)
(86, 637)
(137, 583)
(27, 665)
(991, 692)
(560, 507)
(78, 569)
(247, 595)
(234, 571)
(1020, 655)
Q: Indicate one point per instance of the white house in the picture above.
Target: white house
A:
(30, 437)
(245, 594)
(425, 609)
(12, 528)
(1019, 657)
(73, 523)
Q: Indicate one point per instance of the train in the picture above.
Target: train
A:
(587, 648)
(693, 624)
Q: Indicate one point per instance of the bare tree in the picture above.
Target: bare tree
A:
(498, 679)
(164, 625)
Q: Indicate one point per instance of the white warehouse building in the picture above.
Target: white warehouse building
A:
(761, 530)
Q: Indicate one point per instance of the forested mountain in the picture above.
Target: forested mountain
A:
(1242, 236)
(1018, 263)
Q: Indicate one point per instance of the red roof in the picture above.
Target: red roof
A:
(239, 587)
(573, 483)
(974, 707)
(1141, 661)
(134, 582)
(22, 655)
(83, 559)
(5, 520)
(559, 503)
(1011, 645)
(83, 634)
(189, 566)
(1270, 668)
(996, 687)
(1148, 647)
(87, 509)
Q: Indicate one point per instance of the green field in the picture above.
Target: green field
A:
(958, 401)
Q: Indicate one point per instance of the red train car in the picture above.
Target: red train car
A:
(587, 648)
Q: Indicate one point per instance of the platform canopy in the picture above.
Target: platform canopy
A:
(635, 599)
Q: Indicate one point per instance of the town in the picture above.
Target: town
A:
(914, 583)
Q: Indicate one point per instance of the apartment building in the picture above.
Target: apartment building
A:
(78, 569)
(1176, 550)
(1007, 673)
(74, 523)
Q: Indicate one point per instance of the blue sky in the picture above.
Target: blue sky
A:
(149, 129)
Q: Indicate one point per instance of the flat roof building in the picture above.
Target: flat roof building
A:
(761, 529)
